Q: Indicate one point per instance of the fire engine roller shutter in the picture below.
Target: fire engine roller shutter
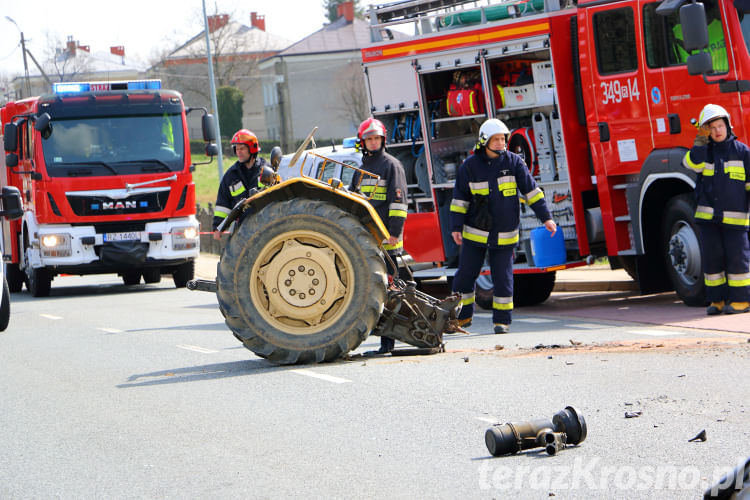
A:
(392, 86)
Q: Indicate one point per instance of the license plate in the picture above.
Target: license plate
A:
(127, 236)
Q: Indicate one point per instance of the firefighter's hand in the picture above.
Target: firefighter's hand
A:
(551, 227)
(701, 139)
(392, 240)
(457, 237)
(217, 235)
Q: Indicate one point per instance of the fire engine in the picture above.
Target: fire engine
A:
(599, 95)
(106, 179)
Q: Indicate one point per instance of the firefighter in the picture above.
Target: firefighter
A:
(388, 193)
(722, 192)
(485, 213)
(240, 179)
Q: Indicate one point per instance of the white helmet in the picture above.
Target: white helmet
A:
(489, 128)
(711, 112)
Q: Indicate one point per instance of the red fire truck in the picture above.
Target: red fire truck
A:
(600, 97)
(105, 175)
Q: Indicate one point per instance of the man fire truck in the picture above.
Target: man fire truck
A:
(600, 102)
(105, 174)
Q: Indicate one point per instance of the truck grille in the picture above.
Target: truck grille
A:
(103, 205)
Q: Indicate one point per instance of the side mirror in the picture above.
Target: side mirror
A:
(11, 199)
(11, 160)
(43, 125)
(212, 149)
(208, 126)
(700, 63)
(276, 157)
(694, 30)
(10, 137)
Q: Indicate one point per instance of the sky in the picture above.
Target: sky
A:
(141, 26)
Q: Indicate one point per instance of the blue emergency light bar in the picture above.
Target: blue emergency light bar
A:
(78, 87)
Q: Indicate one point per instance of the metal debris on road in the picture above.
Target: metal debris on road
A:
(701, 436)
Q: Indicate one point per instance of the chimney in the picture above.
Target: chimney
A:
(217, 22)
(257, 21)
(346, 9)
(71, 45)
(118, 50)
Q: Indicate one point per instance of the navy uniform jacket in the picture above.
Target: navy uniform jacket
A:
(486, 207)
(722, 188)
(235, 186)
(388, 193)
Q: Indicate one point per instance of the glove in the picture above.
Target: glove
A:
(701, 139)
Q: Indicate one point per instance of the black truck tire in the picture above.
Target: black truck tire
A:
(131, 278)
(15, 278)
(183, 273)
(681, 250)
(151, 275)
(301, 281)
(528, 289)
(5, 307)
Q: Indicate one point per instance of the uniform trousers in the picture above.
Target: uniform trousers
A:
(470, 264)
(725, 259)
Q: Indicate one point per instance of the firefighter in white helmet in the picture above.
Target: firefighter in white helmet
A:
(387, 193)
(485, 213)
(722, 191)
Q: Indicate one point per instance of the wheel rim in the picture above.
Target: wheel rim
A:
(302, 282)
(684, 253)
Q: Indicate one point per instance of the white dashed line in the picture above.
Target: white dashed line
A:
(589, 326)
(485, 419)
(196, 348)
(534, 320)
(109, 330)
(50, 316)
(328, 378)
(656, 333)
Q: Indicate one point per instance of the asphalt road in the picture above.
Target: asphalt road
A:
(110, 391)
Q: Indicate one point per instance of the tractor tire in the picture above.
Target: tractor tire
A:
(681, 249)
(318, 315)
(131, 278)
(151, 275)
(183, 273)
(15, 278)
(528, 289)
(5, 307)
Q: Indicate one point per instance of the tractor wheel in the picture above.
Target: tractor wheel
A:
(131, 278)
(301, 282)
(5, 307)
(152, 275)
(183, 273)
(15, 278)
(682, 251)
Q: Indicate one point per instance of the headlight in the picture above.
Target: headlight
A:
(184, 238)
(56, 245)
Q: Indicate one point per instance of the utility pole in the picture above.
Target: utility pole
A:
(212, 87)
(25, 64)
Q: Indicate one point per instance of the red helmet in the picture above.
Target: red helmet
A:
(371, 127)
(244, 136)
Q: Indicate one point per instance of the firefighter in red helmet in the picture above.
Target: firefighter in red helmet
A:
(241, 178)
(387, 194)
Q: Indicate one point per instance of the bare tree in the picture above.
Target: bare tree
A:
(63, 61)
(353, 95)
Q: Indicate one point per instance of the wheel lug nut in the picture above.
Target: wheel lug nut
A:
(301, 269)
(311, 291)
(291, 272)
(302, 296)
(292, 291)
(310, 272)
(315, 281)
(288, 282)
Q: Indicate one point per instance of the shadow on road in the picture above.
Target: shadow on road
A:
(202, 372)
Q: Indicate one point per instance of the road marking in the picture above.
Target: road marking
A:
(483, 315)
(109, 330)
(535, 320)
(50, 316)
(591, 326)
(328, 378)
(196, 348)
(656, 333)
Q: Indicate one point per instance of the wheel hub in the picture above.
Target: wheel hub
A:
(302, 282)
(684, 253)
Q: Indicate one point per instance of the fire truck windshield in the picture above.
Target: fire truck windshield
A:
(122, 145)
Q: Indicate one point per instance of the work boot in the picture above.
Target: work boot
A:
(715, 308)
(737, 307)
(464, 323)
(501, 328)
(386, 345)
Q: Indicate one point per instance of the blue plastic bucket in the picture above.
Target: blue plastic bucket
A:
(546, 250)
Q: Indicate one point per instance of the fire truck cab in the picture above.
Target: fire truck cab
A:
(599, 96)
(105, 175)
